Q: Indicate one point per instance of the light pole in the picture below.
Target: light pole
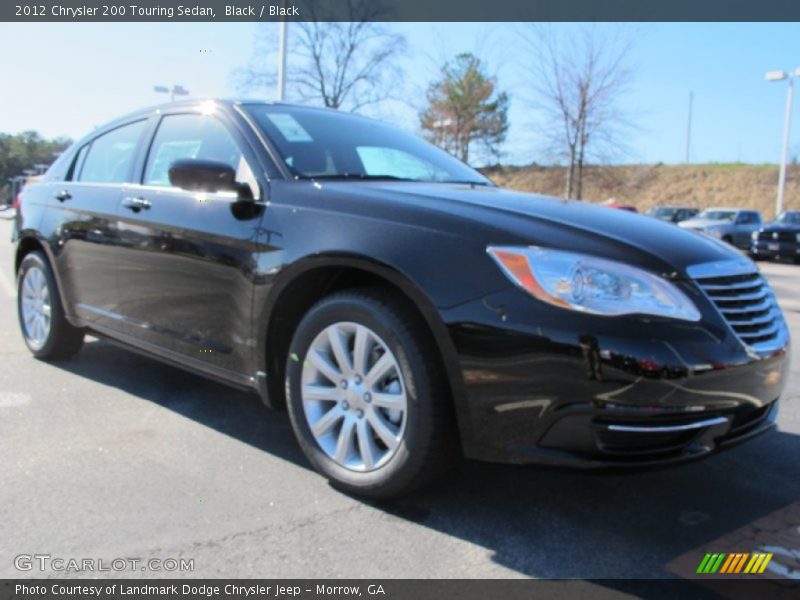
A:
(282, 58)
(787, 124)
(689, 128)
(175, 90)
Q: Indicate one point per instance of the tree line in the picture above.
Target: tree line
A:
(23, 151)
(574, 80)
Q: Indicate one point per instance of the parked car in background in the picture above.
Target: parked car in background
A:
(614, 203)
(732, 225)
(400, 305)
(778, 239)
(672, 214)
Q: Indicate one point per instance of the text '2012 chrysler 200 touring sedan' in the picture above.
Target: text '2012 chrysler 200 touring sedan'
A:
(402, 307)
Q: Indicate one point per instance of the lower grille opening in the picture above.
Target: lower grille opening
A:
(653, 436)
(749, 419)
(629, 442)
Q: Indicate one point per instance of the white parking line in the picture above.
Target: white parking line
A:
(5, 285)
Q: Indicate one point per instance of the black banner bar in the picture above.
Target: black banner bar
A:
(399, 10)
(394, 589)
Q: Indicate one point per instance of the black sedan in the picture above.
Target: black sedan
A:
(779, 239)
(403, 308)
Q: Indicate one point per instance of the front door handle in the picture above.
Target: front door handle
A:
(63, 195)
(136, 204)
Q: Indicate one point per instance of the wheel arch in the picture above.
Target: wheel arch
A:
(26, 245)
(309, 280)
(31, 242)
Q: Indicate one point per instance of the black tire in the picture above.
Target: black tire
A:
(62, 339)
(428, 443)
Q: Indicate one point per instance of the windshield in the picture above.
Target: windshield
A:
(324, 144)
(718, 215)
(663, 212)
(790, 218)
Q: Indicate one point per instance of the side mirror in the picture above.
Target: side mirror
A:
(206, 176)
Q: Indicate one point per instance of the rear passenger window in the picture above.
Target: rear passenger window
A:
(194, 136)
(110, 156)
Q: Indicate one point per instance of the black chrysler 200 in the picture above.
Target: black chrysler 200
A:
(404, 308)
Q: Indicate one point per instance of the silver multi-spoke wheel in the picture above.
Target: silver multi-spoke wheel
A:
(35, 307)
(354, 397)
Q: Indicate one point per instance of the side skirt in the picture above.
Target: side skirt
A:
(233, 379)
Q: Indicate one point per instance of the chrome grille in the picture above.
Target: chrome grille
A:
(748, 305)
(777, 236)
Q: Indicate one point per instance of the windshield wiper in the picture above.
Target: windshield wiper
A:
(366, 177)
(483, 183)
(357, 177)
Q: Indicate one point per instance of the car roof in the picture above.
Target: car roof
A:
(230, 102)
(148, 111)
(731, 208)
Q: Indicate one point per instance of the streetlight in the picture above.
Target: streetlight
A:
(787, 123)
(176, 90)
(282, 40)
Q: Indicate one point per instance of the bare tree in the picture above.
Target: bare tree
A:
(465, 109)
(339, 64)
(577, 80)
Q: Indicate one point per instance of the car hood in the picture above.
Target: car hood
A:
(703, 223)
(502, 216)
(773, 227)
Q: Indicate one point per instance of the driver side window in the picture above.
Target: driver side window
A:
(747, 218)
(195, 136)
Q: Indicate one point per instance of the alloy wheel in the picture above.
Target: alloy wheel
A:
(354, 396)
(36, 307)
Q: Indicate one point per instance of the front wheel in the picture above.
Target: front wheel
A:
(46, 331)
(366, 396)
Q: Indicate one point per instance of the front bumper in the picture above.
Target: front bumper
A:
(591, 392)
(775, 249)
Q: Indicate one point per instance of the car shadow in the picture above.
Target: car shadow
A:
(237, 414)
(538, 522)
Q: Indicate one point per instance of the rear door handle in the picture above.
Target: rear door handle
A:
(136, 204)
(63, 195)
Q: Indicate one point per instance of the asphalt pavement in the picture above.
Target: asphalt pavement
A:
(112, 455)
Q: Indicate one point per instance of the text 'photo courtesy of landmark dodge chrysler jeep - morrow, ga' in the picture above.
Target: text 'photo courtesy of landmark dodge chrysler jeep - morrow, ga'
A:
(404, 309)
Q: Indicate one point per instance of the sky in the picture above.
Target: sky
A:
(67, 78)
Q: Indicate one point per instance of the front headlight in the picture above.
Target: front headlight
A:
(590, 284)
(754, 235)
(797, 237)
(714, 232)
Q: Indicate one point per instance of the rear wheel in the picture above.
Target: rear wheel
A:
(41, 316)
(366, 397)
